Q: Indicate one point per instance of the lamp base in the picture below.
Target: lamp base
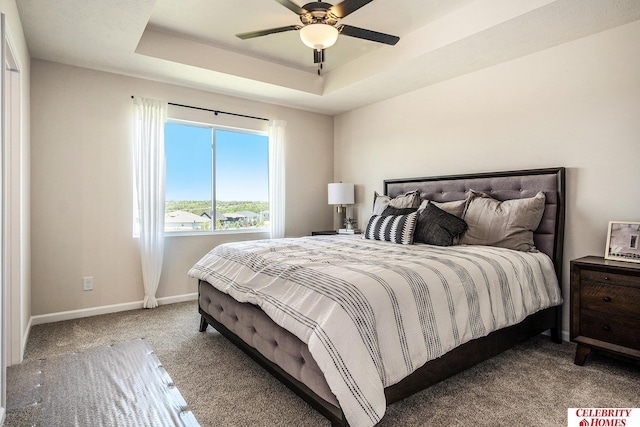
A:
(338, 218)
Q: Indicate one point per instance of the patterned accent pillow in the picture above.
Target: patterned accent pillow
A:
(392, 228)
(507, 224)
(437, 227)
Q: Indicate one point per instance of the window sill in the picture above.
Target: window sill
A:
(215, 233)
(211, 233)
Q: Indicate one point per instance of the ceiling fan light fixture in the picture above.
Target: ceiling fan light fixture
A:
(319, 36)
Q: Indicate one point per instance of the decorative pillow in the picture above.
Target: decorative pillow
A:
(380, 203)
(455, 207)
(508, 224)
(410, 199)
(437, 227)
(392, 228)
(390, 210)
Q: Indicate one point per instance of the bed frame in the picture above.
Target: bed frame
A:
(232, 321)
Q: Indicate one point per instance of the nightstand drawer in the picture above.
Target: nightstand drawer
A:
(619, 300)
(615, 330)
(609, 278)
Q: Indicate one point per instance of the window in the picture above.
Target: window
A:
(217, 178)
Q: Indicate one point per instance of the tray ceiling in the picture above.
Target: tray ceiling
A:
(193, 43)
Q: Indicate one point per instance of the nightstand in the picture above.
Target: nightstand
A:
(324, 233)
(605, 307)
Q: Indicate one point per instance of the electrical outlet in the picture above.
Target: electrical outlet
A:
(87, 283)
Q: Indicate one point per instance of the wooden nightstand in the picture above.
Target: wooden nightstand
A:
(324, 233)
(605, 307)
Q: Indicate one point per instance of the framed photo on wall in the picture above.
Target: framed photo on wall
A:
(623, 241)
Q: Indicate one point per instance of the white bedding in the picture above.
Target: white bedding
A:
(372, 312)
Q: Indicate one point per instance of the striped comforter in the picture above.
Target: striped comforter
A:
(372, 312)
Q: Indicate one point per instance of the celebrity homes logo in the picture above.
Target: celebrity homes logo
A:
(603, 417)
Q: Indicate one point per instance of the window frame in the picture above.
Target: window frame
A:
(214, 127)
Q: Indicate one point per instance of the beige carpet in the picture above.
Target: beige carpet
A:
(530, 385)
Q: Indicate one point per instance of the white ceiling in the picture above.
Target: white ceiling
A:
(193, 43)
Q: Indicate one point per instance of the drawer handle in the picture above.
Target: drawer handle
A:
(606, 328)
(606, 277)
(606, 299)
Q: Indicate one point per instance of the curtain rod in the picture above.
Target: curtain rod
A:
(216, 112)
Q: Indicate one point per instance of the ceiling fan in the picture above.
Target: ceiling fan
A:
(319, 29)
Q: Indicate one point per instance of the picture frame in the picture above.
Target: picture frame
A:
(623, 241)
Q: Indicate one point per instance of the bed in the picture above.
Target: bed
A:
(306, 356)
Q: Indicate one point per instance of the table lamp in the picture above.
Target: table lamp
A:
(340, 194)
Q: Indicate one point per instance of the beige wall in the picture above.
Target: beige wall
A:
(82, 185)
(576, 105)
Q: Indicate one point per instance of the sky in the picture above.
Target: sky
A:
(241, 164)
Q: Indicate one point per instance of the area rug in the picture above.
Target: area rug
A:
(118, 385)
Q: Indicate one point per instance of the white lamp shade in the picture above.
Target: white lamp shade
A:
(341, 194)
(319, 36)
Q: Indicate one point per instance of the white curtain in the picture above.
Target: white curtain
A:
(149, 174)
(277, 178)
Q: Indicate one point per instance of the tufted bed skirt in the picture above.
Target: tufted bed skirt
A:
(256, 329)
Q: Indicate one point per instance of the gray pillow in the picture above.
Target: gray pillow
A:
(508, 224)
(410, 199)
(455, 207)
(390, 210)
(437, 227)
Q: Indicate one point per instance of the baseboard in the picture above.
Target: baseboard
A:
(106, 309)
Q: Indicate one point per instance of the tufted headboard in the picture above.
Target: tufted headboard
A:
(549, 236)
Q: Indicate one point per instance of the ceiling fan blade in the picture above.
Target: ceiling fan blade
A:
(341, 10)
(292, 6)
(374, 36)
(261, 33)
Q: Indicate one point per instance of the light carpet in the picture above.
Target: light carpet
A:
(531, 385)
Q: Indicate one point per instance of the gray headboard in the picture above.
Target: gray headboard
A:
(549, 236)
